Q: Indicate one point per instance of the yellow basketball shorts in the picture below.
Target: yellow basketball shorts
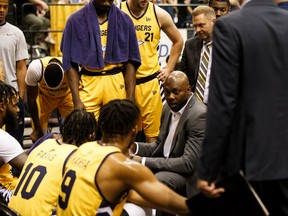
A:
(96, 91)
(148, 99)
(47, 104)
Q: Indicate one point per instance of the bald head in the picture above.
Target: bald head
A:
(178, 76)
(177, 90)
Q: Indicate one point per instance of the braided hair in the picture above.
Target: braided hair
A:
(7, 93)
(118, 117)
(79, 127)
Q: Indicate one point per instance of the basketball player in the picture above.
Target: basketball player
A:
(149, 20)
(99, 175)
(37, 190)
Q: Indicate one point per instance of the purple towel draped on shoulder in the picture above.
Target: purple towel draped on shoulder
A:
(81, 41)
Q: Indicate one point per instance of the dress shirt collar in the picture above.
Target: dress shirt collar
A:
(209, 43)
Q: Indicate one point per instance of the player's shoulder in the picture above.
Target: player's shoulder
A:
(162, 15)
(158, 10)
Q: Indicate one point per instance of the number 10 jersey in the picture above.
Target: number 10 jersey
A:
(39, 183)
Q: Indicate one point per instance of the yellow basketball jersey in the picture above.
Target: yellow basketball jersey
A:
(62, 91)
(103, 33)
(148, 35)
(7, 180)
(80, 194)
(37, 190)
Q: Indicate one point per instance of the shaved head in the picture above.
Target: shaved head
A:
(177, 90)
(179, 76)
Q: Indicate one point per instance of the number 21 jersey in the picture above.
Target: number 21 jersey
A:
(148, 35)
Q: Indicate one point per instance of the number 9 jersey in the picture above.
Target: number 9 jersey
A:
(80, 193)
(37, 190)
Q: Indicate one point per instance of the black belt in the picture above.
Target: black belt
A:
(113, 71)
(146, 79)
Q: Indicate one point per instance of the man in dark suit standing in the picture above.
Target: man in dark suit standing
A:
(203, 21)
(247, 120)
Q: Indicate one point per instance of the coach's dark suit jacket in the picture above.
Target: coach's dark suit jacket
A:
(191, 59)
(186, 142)
(247, 120)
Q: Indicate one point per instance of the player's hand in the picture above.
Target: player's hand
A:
(44, 6)
(163, 74)
(136, 158)
(209, 189)
(35, 135)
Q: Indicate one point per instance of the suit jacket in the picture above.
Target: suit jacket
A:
(247, 120)
(186, 144)
(191, 58)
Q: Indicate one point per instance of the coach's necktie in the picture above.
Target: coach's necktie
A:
(201, 80)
